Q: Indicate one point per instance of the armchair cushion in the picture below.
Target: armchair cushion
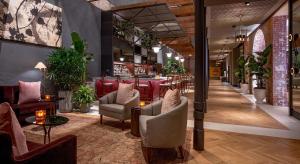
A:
(10, 125)
(29, 92)
(171, 100)
(125, 93)
(115, 108)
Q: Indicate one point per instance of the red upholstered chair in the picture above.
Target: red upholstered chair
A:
(61, 151)
(106, 86)
(145, 88)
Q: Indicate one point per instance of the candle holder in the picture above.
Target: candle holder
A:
(142, 104)
(47, 97)
(40, 116)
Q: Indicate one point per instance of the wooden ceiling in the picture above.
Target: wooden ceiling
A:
(184, 12)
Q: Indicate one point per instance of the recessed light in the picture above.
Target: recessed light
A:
(247, 3)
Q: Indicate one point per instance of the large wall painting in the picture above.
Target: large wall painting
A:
(31, 21)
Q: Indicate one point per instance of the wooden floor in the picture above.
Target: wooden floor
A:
(226, 147)
(225, 105)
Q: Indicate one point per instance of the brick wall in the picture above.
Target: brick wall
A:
(280, 61)
(275, 33)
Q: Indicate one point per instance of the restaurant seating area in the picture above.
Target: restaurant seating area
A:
(156, 81)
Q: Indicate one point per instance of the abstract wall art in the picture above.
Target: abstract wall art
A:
(31, 21)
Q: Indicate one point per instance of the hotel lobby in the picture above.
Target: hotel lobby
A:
(149, 81)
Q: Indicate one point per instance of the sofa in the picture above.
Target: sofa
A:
(10, 94)
(61, 151)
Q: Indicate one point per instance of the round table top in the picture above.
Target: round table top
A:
(50, 120)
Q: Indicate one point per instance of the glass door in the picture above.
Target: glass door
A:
(294, 52)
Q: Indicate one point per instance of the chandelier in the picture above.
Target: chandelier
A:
(241, 35)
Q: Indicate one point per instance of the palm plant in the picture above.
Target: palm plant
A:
(258, 66)
(240, 72)
(80, 46)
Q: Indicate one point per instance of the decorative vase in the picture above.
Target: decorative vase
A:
(260, 95)
(244, 88)
(84, 108)
(65, 105)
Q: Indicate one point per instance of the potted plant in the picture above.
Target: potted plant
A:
(173, 67)
(258, 66)
(240, 73)
(83, 97)
(66, 68)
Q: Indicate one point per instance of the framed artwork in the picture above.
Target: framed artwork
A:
(31, 21)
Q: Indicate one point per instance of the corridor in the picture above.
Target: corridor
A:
(238, 131)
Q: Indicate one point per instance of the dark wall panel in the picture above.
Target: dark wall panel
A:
(17, 60)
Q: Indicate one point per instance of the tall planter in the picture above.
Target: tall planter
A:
(65, 105)
(245, 88)
(260, 95)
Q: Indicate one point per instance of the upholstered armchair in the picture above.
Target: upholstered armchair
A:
(60, 151)
(163, 130)
(109, 108)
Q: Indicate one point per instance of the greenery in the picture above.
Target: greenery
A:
(258, 66)
(65, 68)
(81, 47)
(173, 67)
(148, 40)
(84, 95)
(240, 72)
(123, 28)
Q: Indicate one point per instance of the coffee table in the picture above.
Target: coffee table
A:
(51, 120)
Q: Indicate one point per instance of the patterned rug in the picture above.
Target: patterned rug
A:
(107, 143)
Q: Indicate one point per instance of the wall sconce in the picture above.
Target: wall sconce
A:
(156, 49)
(122, 59)
(169, 54)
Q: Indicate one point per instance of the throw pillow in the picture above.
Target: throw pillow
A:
(10, 125)
(29, 91)
(124, 93)
(171, 100)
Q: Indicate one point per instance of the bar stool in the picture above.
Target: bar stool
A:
(164, 87)
(145, 89)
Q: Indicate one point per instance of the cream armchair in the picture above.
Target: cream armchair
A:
(109, 108)
(166, 130)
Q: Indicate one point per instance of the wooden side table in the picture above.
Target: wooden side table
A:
(135, 115)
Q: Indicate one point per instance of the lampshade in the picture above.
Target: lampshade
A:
(40, 65)
(182, 60)
(176, 57)
(169, 54)
(122, 59)
(156, 49)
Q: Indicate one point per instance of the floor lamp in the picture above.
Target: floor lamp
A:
(42, 67)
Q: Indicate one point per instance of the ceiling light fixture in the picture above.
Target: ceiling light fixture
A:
(156, 49)
(122, 59)
(247, 3)
(176, 57)
(169, 54)
(182, 60)
(241, 37)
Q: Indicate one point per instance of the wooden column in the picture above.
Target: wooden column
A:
(200, 75)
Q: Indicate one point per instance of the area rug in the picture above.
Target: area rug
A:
(107, 143)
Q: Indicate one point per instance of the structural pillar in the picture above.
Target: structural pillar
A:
(200, 75)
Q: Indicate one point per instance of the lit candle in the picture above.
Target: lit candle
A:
(47, 97)
(142, 103)
(40, 116)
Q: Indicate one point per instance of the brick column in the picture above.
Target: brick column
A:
(280, 61)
